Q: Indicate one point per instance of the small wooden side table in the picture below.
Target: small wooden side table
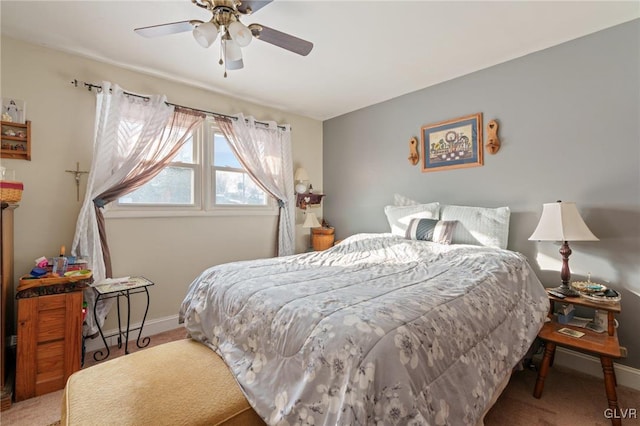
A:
(117, 289)
(604, 345)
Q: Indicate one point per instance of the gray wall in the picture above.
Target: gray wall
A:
(570, 129)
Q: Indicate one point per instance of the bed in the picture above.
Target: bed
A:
(379, 329)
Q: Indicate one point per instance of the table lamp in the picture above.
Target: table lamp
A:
(311, 221)
(561, 221)
(299, 177)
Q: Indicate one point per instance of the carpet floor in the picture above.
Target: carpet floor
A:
(569, 398)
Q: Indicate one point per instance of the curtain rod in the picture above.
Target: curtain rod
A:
(91, 86)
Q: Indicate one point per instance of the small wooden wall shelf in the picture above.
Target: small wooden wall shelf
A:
(304, 199)
(16, 140)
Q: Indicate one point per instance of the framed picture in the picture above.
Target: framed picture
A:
(452, 144)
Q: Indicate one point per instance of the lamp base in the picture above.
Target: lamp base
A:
(567, 291)
(301, 188)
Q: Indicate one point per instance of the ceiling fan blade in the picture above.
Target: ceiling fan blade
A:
(280, 39)
(251, 6)
(166, 29)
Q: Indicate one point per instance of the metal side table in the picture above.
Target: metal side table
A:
(122, 289)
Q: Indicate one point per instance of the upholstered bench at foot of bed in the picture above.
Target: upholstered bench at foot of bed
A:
(177, 383)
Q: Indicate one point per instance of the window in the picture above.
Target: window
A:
(233, 185)
(221, 184)
(173, 186)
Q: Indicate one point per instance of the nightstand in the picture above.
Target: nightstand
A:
(604, 345)
(322, 238)
(49, 345)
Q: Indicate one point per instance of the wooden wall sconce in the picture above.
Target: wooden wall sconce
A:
(493, 144)
(414, 157)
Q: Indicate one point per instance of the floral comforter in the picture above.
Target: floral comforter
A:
(375, 330)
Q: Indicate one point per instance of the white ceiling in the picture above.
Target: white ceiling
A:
(364, 52)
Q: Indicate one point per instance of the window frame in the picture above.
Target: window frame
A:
(204, 187)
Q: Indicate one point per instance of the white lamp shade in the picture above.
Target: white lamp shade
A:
(240, 33)
(561, 221)
(232, 52)
(311, 221)
(301, 174)
(235, 65)
(205, 34)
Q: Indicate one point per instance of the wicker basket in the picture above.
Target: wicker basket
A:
(10, 191)
(322, 238)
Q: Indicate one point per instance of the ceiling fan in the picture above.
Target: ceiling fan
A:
(234, 35)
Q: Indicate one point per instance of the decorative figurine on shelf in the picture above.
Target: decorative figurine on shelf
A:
(303, 202)
(12, 110)
(310, 189)
(6, 117)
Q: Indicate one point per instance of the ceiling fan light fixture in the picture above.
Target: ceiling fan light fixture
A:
(240, 33)
(235, 65)
(234, 35)
(232, 51)
(205, 34)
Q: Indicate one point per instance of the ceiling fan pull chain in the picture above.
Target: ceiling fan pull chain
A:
(220, 61)
(225, 56)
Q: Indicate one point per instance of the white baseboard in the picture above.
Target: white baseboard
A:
(150, 328)
(587, 364)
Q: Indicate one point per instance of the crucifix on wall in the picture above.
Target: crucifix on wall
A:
(78, 173)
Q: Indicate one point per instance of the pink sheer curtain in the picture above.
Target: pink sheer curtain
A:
(265, 152)
(153, 158)
(134, 138)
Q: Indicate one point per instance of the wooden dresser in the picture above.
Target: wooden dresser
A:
(7, 308)
(49, 342)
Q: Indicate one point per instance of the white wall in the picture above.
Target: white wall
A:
(169, 251)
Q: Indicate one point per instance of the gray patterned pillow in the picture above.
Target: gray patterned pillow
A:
(438, 231)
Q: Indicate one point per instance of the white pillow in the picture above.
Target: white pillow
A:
(478, 226)
(400, 216)
(401, 200)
